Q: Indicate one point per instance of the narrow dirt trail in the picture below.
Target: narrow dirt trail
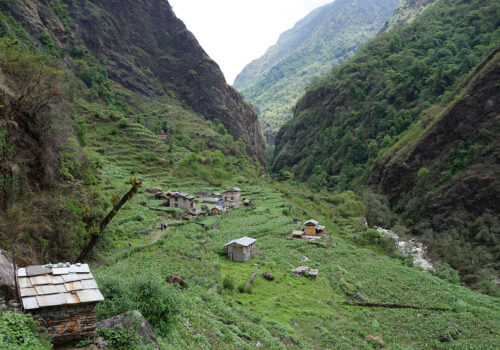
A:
(155, 237)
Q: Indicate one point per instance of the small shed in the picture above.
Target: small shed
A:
(232, 197)
(241, 249)
(217, 210)
(247, 202)
(312, 228)
(63, 297)
(162, 135)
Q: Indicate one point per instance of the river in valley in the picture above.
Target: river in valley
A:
(409, 247)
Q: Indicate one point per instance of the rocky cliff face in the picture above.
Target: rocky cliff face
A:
(148, 50)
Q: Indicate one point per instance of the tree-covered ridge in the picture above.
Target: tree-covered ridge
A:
(387, 96)
(317, 43)
(346, 118)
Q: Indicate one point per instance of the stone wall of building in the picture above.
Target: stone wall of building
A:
(68, 324)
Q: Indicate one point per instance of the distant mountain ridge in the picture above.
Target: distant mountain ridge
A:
(317, 43)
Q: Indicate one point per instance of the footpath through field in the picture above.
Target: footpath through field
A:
(153, 239)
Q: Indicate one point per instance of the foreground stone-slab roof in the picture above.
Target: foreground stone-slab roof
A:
(57, 285)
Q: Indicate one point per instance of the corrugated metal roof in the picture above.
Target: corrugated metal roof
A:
(245, 241)
(61, 284)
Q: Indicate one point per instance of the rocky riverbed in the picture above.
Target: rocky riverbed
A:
(409, 247)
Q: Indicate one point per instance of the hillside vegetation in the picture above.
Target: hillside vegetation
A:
(143, 47)
(404, 78)
(323, 39)
(72, 141)
(52, 97)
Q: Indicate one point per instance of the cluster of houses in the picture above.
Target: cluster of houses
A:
(209, 203)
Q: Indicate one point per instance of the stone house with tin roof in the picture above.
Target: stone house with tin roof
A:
(232, 197)
(181, 200)
(241, 249)
(62, 297)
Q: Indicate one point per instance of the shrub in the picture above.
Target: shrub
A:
(19, 331)
(447, 273)
(228, 283)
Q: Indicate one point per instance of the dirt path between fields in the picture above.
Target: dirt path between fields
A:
(153, 239)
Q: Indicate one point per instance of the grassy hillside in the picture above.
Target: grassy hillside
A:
(216, 311)
(323, 39)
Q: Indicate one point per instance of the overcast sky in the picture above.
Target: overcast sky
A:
(234, 32)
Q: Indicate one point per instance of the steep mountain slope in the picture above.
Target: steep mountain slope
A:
(52, 89)
(380, 93)
(144, 47)
(317, 43)
(448, 173)
(402, 79)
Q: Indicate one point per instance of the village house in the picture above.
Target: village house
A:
(312, 228)
(241, 250)
(232, 197)
(62, 297)
(181, 200)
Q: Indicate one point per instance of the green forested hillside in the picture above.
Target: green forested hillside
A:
(73, 139)
(404, 78)
(317, 43)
